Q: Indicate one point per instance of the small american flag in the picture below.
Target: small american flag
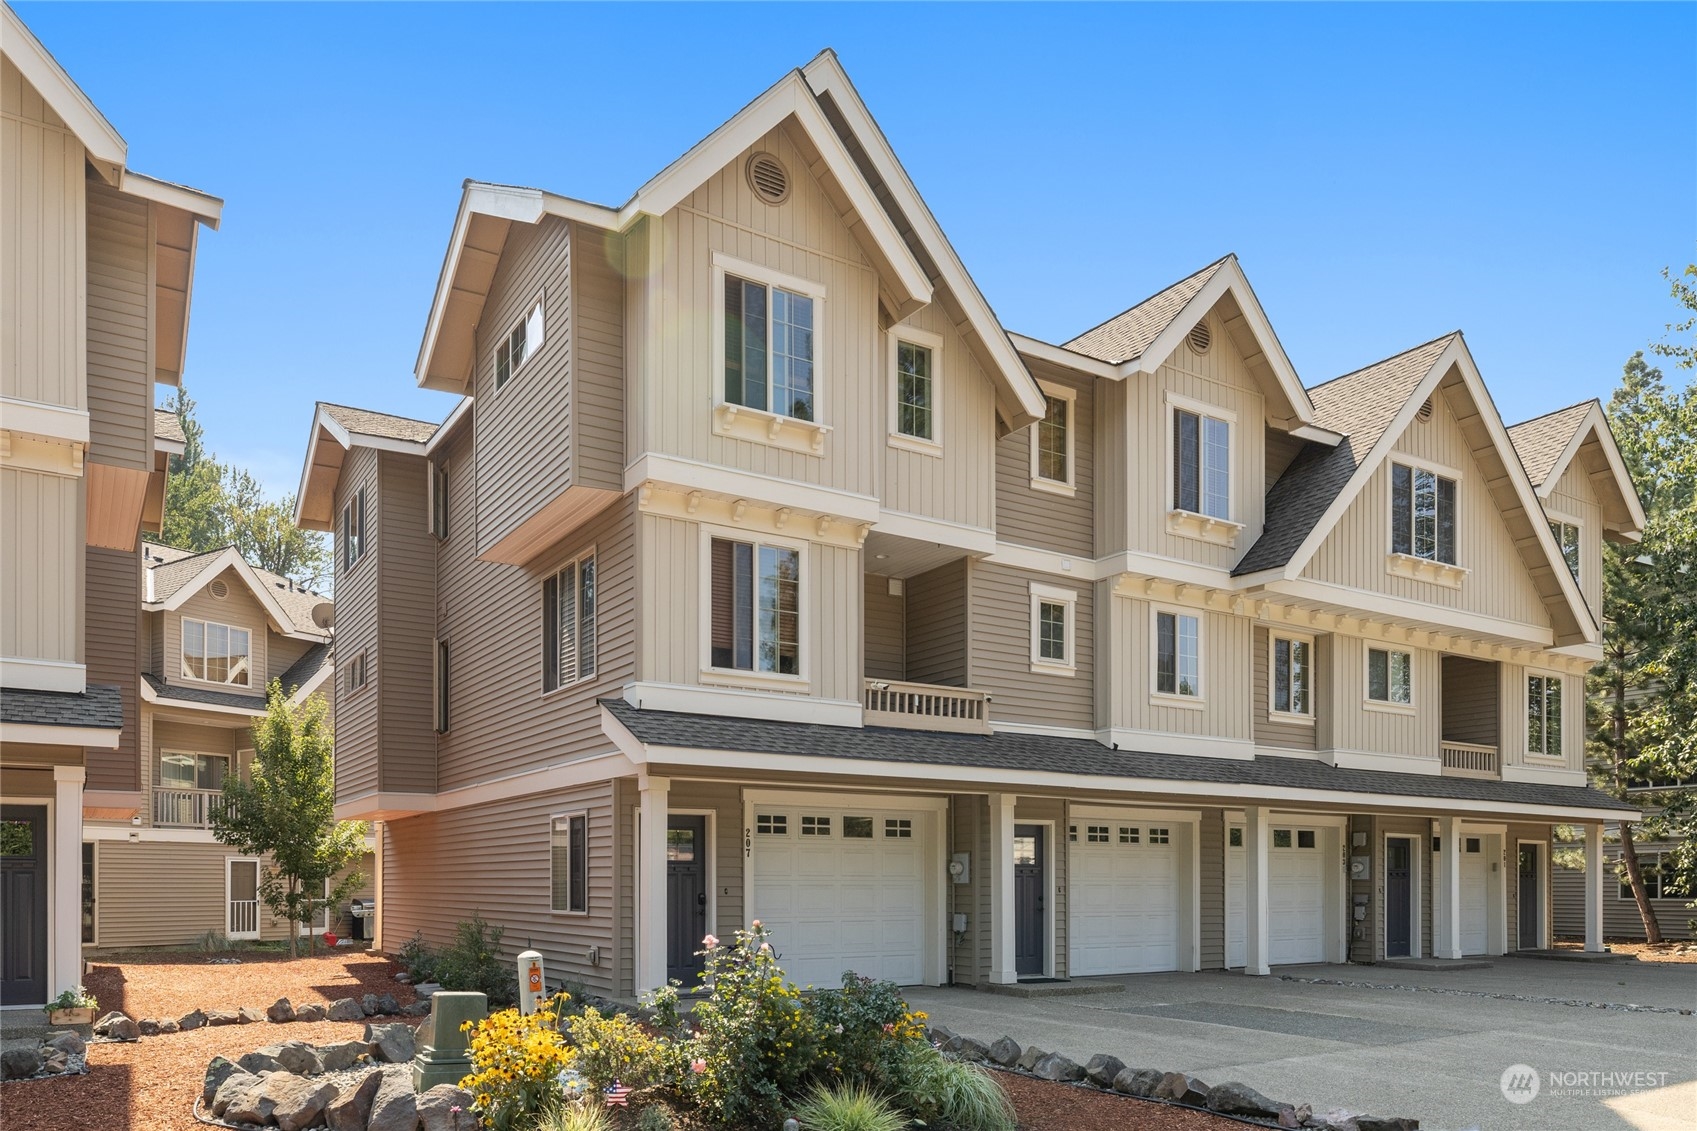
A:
(618, 1095)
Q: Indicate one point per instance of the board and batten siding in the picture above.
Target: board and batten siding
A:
(1355, 552)
(886, 630)
(1512, 748)
(1357, 726)
(1001, 650)
(120, 318)
(675, 378)
(358, 734)
(1573, 498)
(1045, 519)
(239, 610)
(406, 607)
(43, 256)
(112, 651)
(1276, 730)
(1227, 689)
(41, 566)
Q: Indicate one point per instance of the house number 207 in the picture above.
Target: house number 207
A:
(747, 842)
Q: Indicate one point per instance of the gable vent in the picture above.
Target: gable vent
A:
(219, 590)
(768, 178)
(1200, 337)
(1425, 412)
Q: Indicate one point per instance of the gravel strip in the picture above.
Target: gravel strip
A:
(1575, 1002)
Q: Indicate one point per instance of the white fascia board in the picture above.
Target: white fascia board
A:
(923, 528)
(1318, 434)
(1596, 424)
(386, 443)
(169, 447)
(1065, 358)
(203, 206)
(687, 475)
(321, 426)
(189, 706)
(230, 559)
(106, 148)
(48, 421)
(461, 410)
(326, 671)
(38, 735)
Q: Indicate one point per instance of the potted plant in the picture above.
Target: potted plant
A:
(73, 1007)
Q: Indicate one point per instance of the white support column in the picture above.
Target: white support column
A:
(1002, 925)
(1446, 937)
(651, 885)
(1256, 918)
(1594, 888)
(376, 923)
(64, 968)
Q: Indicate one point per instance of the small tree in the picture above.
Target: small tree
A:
(287, 812)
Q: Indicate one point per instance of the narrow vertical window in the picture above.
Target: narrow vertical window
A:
(1566, 535)
(442, 684)
(1292, 682)
(569, 864)
(1053, 629)
(1053, 459)
(769, 348)
(1423, 514)
(1543, 715)
(439, 500)
(915, 407)
(519, 345)
(1177, 654)
(1201, 464)
(756, 607)
(568, 624)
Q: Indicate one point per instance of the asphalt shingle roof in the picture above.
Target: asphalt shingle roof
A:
(1127, 335)
(100, 706)
(369, 423)
(1050, 754)
(166, 426)
(203, 696)
(1540, 441)
(173, 568)
(300, 673)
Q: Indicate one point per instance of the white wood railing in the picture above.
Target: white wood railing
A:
(925, 706)
(186, 808)
(1468, 760)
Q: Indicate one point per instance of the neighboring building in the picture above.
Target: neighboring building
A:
(96, 269)
(760, 573)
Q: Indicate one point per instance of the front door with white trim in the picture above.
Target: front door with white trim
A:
(241, 897)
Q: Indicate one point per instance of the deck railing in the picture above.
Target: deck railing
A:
(186, 808)
(925, 706)
(1469, 760)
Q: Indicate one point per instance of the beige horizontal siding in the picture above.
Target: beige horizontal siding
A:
(1620, 916)
(886, 630)
(113, 655)
(120, 320)
(1001, 650)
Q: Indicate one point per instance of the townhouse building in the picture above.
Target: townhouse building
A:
(96, 270)
(761, 573)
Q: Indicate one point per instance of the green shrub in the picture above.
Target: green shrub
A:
(941, 1089)
(214, 942)
(655, 1118)
(848, 1107)
(417, 959)
(517, 1065)
(473, 962)
(864, 1030)
(586, 1115)
(618, 1049)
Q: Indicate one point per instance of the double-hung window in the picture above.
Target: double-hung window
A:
(1052, 441)
(1390, 676)
(351, 533)
(1566, 535)
(769, 343)
(1291, 687)
(1178, 654)
(915, 388)
(1053, 628)
(1201, 464)
(570, 863)
(216, 653)
(1543, 715)
(568, 624)
(1423, 514)
(518, 345)
(755, 607)
(356, 672)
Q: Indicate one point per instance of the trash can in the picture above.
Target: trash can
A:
(360, 911)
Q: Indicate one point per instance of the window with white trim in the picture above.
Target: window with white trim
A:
(356, 672)
(181, 770)
(1290, 687)
(915, 389)
(216, 653)
(1178, 654)
(1054, 625)
(568, 624)
(769, 343)
(519, 345)
(1566, 535)
(1053, 440)
(351, 534)
(1201, 463)
(569, 863)
(1423, 513)
(1543, 715)
(756, 607)
(1390, 676)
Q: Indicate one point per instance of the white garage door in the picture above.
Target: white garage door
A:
(842, 889)
(1124, 898)
(1296, 897)
(1475, 888)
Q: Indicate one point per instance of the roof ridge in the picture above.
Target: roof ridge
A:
(1556, 412)
(1383, 360)
(1152, 295)
(380, 412)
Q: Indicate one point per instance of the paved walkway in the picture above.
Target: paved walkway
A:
(1429, 1044)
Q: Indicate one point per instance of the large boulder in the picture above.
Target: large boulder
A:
(1059, 1068)
(396, 1107)
(117, 1026)
(218, 1070)
(1181, 1088)
(1140, 1082)
(1029, 1058)
(298, 1057)
(190, 1021)
(1005, 1052)
(235, 1085)
(311, 1011)
(66, 1041)
(370, 1004)
(281, 1011)
(387, 1006)
(346, 1009)
(298, 1102)
(446, 1108)
(261, 1060)
(415, 1009)
(393, 1042)
(350, 1110)
(148, 1026)
(255, 1102)
(342, 1055)
(1102, 1068)
(1233, 1098)
(20, 1063)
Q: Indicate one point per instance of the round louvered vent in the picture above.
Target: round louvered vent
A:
(1425, 412)
(768, 178)
(1200, 337)
(219, 590)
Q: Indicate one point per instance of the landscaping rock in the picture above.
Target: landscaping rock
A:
(1289, 1118)
(416, 1009)
(446, 1108)
(1057, 1067)
(1337, 1119)
(939, 1035)
(220, 1017)
(1232, 1098)
(191, 1021)
(298, 1057)
(404, 978)
(395, 1108)
(311, 1011)
(394, 1042)
(117, 1026)
(345, 1009)
(148, 1027)
(1386, 1123)
(1182, 1088)
(370, 1005)
(342, 1056)
(1102, 1069)
(1005, 1052)
(20, 1063)
(255, 1103)
(968, 1049)
(166, 1025)
(387, 1006)
(350, 1110)
(1028, 1059)
(281, 1011)
(247, 1015)
(66, 1041)
(426, 989)
(218, 1070)
(235, 1085)
(261, 1060)
(1140, 1082)
(298, 1102)
(55, 1062)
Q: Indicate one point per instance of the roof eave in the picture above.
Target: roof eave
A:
(107, 150)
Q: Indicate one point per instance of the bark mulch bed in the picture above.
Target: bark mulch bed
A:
(170, 985)
(1674, 951)
(1042, 1106)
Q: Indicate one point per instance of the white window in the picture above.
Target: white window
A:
(439, 500)
(769, 347)
(1543, 715)
(440, 687)
(1566, 535)
(1054, 441)
(351, 534)
(216, 653)
(915, 363)
(1178, 654)
(1201, 463)
(755, 607)
(1423, 513)
(1054, 624)
(569, 865)
(519, 345)
(568, 624)
(1390, 676)
(180, 770)
(356, 672)
(1290, 668)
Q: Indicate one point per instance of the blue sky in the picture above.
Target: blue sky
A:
(1387, 173)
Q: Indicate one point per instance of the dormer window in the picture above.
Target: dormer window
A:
(1566, 535)
(216, 653)
(1423, 514)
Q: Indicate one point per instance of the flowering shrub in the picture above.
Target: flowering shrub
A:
(517, 1065)
(616, 1048)
(864, 1030)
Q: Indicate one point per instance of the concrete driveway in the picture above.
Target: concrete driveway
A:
(1430, 1044)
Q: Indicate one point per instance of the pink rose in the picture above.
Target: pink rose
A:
(710, 941)
(757, 924)
(698, 1066)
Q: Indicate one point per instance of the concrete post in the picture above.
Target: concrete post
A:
(651, 885)
(1594, 888)
(64, 968)
(1256, 917)
(1002, 925)
(1446, 941)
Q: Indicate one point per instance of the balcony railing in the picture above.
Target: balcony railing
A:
(186, 808)
(925, 706)
(1468, 760)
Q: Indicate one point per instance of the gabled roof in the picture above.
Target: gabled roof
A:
(1126, 335)
(337, 430)
(107, 150)
(173, 576)
(1372, 407)
(1549, 444)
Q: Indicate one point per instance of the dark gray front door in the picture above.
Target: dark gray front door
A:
(1531, 896)
(686, 897)
(1399, 897)
(23, 904)
(1029, 951)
